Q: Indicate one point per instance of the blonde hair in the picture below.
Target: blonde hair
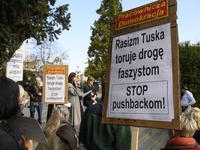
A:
(21, 91)
(90, 78)
(58, 115)
(195, 113)
(188, 125)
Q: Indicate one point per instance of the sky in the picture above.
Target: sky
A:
(83, 14)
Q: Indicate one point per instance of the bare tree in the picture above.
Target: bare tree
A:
(48, 53)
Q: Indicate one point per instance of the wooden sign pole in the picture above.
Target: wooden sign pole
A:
(134, 138)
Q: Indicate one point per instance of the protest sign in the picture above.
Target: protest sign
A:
(55, 84)
(143, 69)
(27, 126)
(14, 69)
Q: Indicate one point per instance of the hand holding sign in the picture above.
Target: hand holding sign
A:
(28, 144)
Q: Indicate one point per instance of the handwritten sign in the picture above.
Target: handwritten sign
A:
(14, 68)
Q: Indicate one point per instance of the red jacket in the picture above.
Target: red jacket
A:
(181, 144)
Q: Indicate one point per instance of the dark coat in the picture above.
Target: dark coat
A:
(34, 92)
(27, 87)
(97, 136)
(103, 90)
(196, 136)
(9, 141)
(87, 98)
(68, 135)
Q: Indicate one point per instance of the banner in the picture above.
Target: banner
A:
(142, 14)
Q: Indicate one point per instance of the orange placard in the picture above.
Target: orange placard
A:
(55, 70)
(142, 14)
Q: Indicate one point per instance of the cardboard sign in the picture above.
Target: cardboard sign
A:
(143, 72)
(142, 14)
(14, 69)
(27, 126)
(55, 81)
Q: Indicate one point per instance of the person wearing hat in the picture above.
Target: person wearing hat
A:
(187, 98)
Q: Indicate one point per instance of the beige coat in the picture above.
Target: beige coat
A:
(54, 143)
(75, 111)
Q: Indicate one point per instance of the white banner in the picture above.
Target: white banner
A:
(14, 68)
(141, 76)
(55, 88)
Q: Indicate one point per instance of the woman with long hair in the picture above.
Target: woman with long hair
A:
(73, 98)
(59, 132)
(90, 99)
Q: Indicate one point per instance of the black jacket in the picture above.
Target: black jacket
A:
(27, 87)
(196, 136)
(34, 92)
(87, 98)
(68, 135)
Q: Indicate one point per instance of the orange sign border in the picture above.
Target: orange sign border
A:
(142, 21)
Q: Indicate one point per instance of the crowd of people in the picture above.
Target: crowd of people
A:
(70, 129)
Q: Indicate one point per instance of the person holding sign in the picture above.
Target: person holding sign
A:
(90, 98)
(73, 98)
(35, 92)
(187, 99)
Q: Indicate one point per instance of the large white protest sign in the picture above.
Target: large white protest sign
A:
(14, 68)
(55, 88)
(141, 75)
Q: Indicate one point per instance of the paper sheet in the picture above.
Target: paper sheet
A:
(68, 104)
(84, 94)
